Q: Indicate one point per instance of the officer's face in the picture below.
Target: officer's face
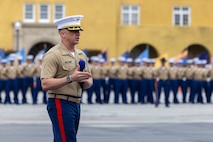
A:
(4, 64)
(72, 37)
(29, 61)
(11, 63)
(163, 63)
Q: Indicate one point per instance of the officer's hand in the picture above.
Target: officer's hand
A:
(80, 76)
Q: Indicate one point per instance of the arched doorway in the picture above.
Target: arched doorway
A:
(40, 47)
(197, 50)
(138, 49)
(91, 52)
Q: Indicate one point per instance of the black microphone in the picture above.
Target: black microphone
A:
(82, 67)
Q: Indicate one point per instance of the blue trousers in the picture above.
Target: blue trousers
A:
(2, 87)
(142, 92)
(136, 89)
(11, 85)
(165, 85)
(103, 87)
(208, 87)
(20, 85)
(147, 85)
(198, 85)
(36, 91)
(210, 92)
(121, 86)
(173, 86)
(130, 86)
(190, 86)
(183, 85)
(28, 82)
(110, 87)
(95, 88)
(65, 117)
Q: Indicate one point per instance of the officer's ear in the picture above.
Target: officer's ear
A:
(61, 32)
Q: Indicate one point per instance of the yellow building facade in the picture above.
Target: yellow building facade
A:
(166, 27)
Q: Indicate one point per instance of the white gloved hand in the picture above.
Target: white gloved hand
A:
(208, 79)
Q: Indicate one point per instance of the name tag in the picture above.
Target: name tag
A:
(68, 62)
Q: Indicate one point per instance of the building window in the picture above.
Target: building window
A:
(181, 16)
(59, 11)
(29, 12)
(130, 15)
(44, 13)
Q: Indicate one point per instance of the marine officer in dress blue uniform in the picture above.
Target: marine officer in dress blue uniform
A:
(148, 75)
(103, 81)
(182, 80)
(153, 68)
(38, 86)
(3, 77)
(206, 81)
(162, 78)
(11, 83)
(29, 70)
(20, 77)
(198, 75)
(130, 72)
(111, 73)
(173, 82)
(137, 76)
(96, 73)
(62, 76)
(91, 89)
(189, 77)
(210, 77)
(122, 83)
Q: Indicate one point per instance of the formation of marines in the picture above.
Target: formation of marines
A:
(138, 78)
(17, 77)
(146, 83)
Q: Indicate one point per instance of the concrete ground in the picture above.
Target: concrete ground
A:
(112, 123)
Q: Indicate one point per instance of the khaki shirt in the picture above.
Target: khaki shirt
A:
(3, 73)
(199, 74)
(147, 72)
(181, 73)
(29, 70)
(122, 72)
(130, 72)
(58, 62)
(154, 71)
(20, 69)
(173, 73)
(189, 72)
(211, 72)
(103, 72)
(137, 73)
(96, 71)
(37, 70)
(112, 71)
(11, 72)
(205, 73)
(163, 73)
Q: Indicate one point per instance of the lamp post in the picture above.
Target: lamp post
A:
(17, 28)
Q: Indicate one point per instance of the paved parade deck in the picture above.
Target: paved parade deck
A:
(116, 123)
(110, 122)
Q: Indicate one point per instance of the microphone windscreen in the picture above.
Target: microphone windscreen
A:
(82, 65)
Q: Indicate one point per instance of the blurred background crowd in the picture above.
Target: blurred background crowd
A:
(121, 80)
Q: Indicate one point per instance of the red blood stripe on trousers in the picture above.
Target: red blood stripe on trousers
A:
(60, 119)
